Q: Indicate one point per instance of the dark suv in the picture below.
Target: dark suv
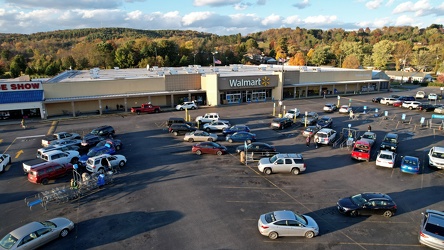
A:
(89, 141)
(281, 123)
(180, 128)
(406, 98)
(390, 142)
(104, 131)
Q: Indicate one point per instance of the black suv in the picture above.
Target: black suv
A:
(89, 141)
(406, 98)
(390, 142)
(104, 131)
(281, 123)
(174, 120)
(180, 128)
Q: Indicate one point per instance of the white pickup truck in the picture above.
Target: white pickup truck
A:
(207, 118)
(53, 156)
(47, 140)
(5, 160)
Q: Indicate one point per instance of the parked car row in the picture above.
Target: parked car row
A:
(96, 153)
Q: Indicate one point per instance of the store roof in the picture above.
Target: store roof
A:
(157, 72)
(21, 96)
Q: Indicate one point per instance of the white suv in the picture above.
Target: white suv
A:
(387, 101)
(186, 105)
(410, 104)
(325, 136)
(105, 162)
(436, 157)
(282, 163)
(292, 113)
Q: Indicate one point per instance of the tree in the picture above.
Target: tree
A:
(401, 53)
(283, 44)
(382, 52)
(18, 65)
(68, 62)
(297, 60)
(320, 55)
(351, 62)
(124, 57)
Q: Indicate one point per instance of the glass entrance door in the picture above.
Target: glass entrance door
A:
(234, 98)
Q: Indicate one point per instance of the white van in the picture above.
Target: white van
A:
(387, 101)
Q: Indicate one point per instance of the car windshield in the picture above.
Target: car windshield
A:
(301, 218)
(390, 140)
(438, 155)
(412, 162)
(368, 136)
(273, 158)
(358, 200)
(48, 224)
(384, 156)
(8, 241)
(325, 119)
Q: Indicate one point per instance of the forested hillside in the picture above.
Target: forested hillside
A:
(48, 53)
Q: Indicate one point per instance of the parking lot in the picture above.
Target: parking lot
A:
(168, 198)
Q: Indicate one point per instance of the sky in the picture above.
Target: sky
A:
(221, 17)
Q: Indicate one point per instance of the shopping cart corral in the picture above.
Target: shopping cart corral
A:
(81, 185)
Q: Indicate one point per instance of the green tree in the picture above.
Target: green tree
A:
(18, 65)
(68, 62)
(283, 44)
(382, 52)
(124, 57)
(51, 69)
(320, 55)
(401, 53)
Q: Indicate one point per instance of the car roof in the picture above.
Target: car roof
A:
(325, 130)
(391, 135)
(362, 142)
(387, 152)
(99, 156)
(289, 155)
(369, 195)
(411, 158)
(284, 215)
(26, 229)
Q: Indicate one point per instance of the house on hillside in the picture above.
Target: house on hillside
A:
(409, 77)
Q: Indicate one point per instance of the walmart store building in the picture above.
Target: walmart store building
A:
(97, 91)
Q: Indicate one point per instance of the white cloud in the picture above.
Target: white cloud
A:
(302, 5)
(420, 8)
(373, 4)
(405, 20)
(271, 19)
(381, 22)
(320, 19)
(241, 6)
(215, 3)
(292, 20)
(389, 2)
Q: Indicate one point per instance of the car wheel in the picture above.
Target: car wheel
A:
(208, 129)
(267, 171)
(101, 171)
(138, 112)
(175, 133)
(309, 234)
(388, 214)
(410, 108)
(198, 152)
(191, 140)
(295, 171)
(230, 140)
(219, 152)
(122, 163)
(210, 139)
(64, 233)
(354, 213)
(387, 103)
(45, 181)
(181, 108)
(193, 107)
(273, 235)
(118, 147)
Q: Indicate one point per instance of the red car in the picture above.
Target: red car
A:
(48, 171)
(209, 147)
(397, 104)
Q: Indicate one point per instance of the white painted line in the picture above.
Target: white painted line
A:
(32, 136)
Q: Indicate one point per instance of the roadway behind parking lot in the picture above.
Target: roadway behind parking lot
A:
(168, 198)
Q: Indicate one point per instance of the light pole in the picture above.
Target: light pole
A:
(214, 60)
(403, 69)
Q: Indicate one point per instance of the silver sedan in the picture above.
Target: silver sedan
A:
(36, 234)
(287, 223)
(199, 135)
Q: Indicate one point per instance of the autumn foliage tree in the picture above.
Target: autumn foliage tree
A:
(351, 62)
(297, 60)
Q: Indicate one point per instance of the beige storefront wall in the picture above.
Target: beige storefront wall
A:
(96, 95)
(334, 76)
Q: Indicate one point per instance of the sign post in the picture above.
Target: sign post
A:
(305, 118)
(339, 101)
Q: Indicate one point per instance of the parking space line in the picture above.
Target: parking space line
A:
(31, 136)
(297, 201)
(345, 243)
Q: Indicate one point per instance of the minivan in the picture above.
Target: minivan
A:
(48, 171)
